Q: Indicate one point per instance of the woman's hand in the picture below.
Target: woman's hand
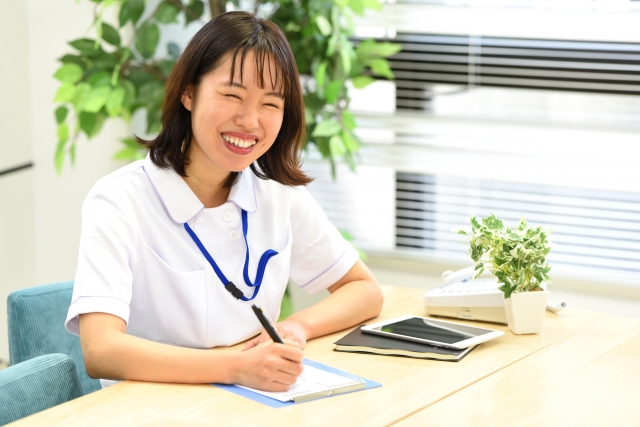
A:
(270, 366)
(287, 329)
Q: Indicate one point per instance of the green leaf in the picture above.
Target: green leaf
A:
(372, 4)
(336, 145)
(348, 120)
(369, 49)
(130, 142)
(320, 74)
(381, 67)
(91, 123)
(362, 81)
(326, 128)
(61, 114)
(350, 142)
(63, 132)
(69, 73)
(167, 13)
(131, 11)
(85, 46)
(65, 93)
(130, 93)
(197, 7)
(333, 91)
(96, 99)
(59, 157)
(324, 25)
(129, 153)
(147, 39)
(166, 66)
(332, 45)
(80, 96)
(74, 59)
(345, 57)
(357, 6)
(101, 78)
(115, 101)
(173, 50)
(110, 35)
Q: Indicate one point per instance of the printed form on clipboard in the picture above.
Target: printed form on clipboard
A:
(314, 383)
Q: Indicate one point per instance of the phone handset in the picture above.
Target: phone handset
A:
(462, 275)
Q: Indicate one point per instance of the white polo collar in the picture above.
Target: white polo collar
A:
(182, 204)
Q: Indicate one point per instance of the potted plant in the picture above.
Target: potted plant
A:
(517, 257)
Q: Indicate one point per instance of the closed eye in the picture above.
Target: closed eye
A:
(232, 95)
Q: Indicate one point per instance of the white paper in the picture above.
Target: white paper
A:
(314, 380)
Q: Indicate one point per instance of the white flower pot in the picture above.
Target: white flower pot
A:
(525, 311)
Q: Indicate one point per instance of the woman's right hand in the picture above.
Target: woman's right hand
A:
(270, 366)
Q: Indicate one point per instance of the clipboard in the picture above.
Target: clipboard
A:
(357, 385)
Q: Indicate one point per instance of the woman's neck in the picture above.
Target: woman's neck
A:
(207, 183)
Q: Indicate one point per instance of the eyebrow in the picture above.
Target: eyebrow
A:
(240, 85)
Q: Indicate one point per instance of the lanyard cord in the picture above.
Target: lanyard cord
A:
(229, 286)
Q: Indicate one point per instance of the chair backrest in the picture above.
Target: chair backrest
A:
(36, 327)
(36, 385)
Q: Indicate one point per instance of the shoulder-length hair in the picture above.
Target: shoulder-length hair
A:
(235, 33)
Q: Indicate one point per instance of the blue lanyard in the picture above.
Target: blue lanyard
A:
(228, 284)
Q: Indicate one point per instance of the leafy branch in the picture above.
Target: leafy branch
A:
(516, 256)
(106, 78)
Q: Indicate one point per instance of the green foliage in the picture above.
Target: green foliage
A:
(516, 256)
(318, 32)
(115, 74)
(124, 69)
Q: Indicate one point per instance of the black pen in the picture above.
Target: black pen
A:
(271, 330)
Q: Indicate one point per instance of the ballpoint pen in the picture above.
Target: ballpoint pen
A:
(266, 324)
(271, 330)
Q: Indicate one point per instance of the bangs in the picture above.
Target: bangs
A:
(268, 65)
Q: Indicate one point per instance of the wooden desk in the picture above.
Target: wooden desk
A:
(591, 378)
(409, 385)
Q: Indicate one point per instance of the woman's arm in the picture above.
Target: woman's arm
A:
(354, 298)
(110, 353)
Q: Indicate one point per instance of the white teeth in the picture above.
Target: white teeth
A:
(239, 142)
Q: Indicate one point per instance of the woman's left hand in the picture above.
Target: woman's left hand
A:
(287, 329)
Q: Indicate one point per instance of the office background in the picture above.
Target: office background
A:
(477, 121)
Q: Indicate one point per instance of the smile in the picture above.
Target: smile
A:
(239, 142)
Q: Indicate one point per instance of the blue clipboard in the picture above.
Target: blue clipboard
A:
(278, 404)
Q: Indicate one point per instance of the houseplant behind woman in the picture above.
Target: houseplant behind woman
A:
(175, 248)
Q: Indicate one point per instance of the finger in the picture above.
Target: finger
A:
(291, 342)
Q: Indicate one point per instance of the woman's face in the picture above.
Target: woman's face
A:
(235, 122)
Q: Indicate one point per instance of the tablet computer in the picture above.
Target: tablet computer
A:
(434, 332)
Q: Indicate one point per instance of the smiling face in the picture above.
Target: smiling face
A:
(233, 122)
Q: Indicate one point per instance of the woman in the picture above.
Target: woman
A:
(177, 247)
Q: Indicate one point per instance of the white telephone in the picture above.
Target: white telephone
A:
(464, 298)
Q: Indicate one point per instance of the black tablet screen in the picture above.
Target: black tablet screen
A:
(433, 331)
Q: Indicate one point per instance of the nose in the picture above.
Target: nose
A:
(247, 117)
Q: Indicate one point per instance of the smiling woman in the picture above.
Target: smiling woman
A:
(214, 64)
(168, 265)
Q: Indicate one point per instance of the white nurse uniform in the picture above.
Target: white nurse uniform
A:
(138, 262)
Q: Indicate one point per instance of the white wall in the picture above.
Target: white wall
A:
(39, 211)
(16, 190)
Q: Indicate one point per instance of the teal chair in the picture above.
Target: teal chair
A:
(36, 327)
(36, 385)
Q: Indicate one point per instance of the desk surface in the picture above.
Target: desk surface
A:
(409, 385)
(590, 378)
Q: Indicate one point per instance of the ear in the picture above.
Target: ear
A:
(187, 98)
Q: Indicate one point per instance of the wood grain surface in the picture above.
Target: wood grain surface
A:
(409, 385)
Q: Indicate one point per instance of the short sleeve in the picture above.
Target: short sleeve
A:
(106, 259)
(320, 256)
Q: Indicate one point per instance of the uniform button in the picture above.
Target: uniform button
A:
(226, 216)
(233, 234)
